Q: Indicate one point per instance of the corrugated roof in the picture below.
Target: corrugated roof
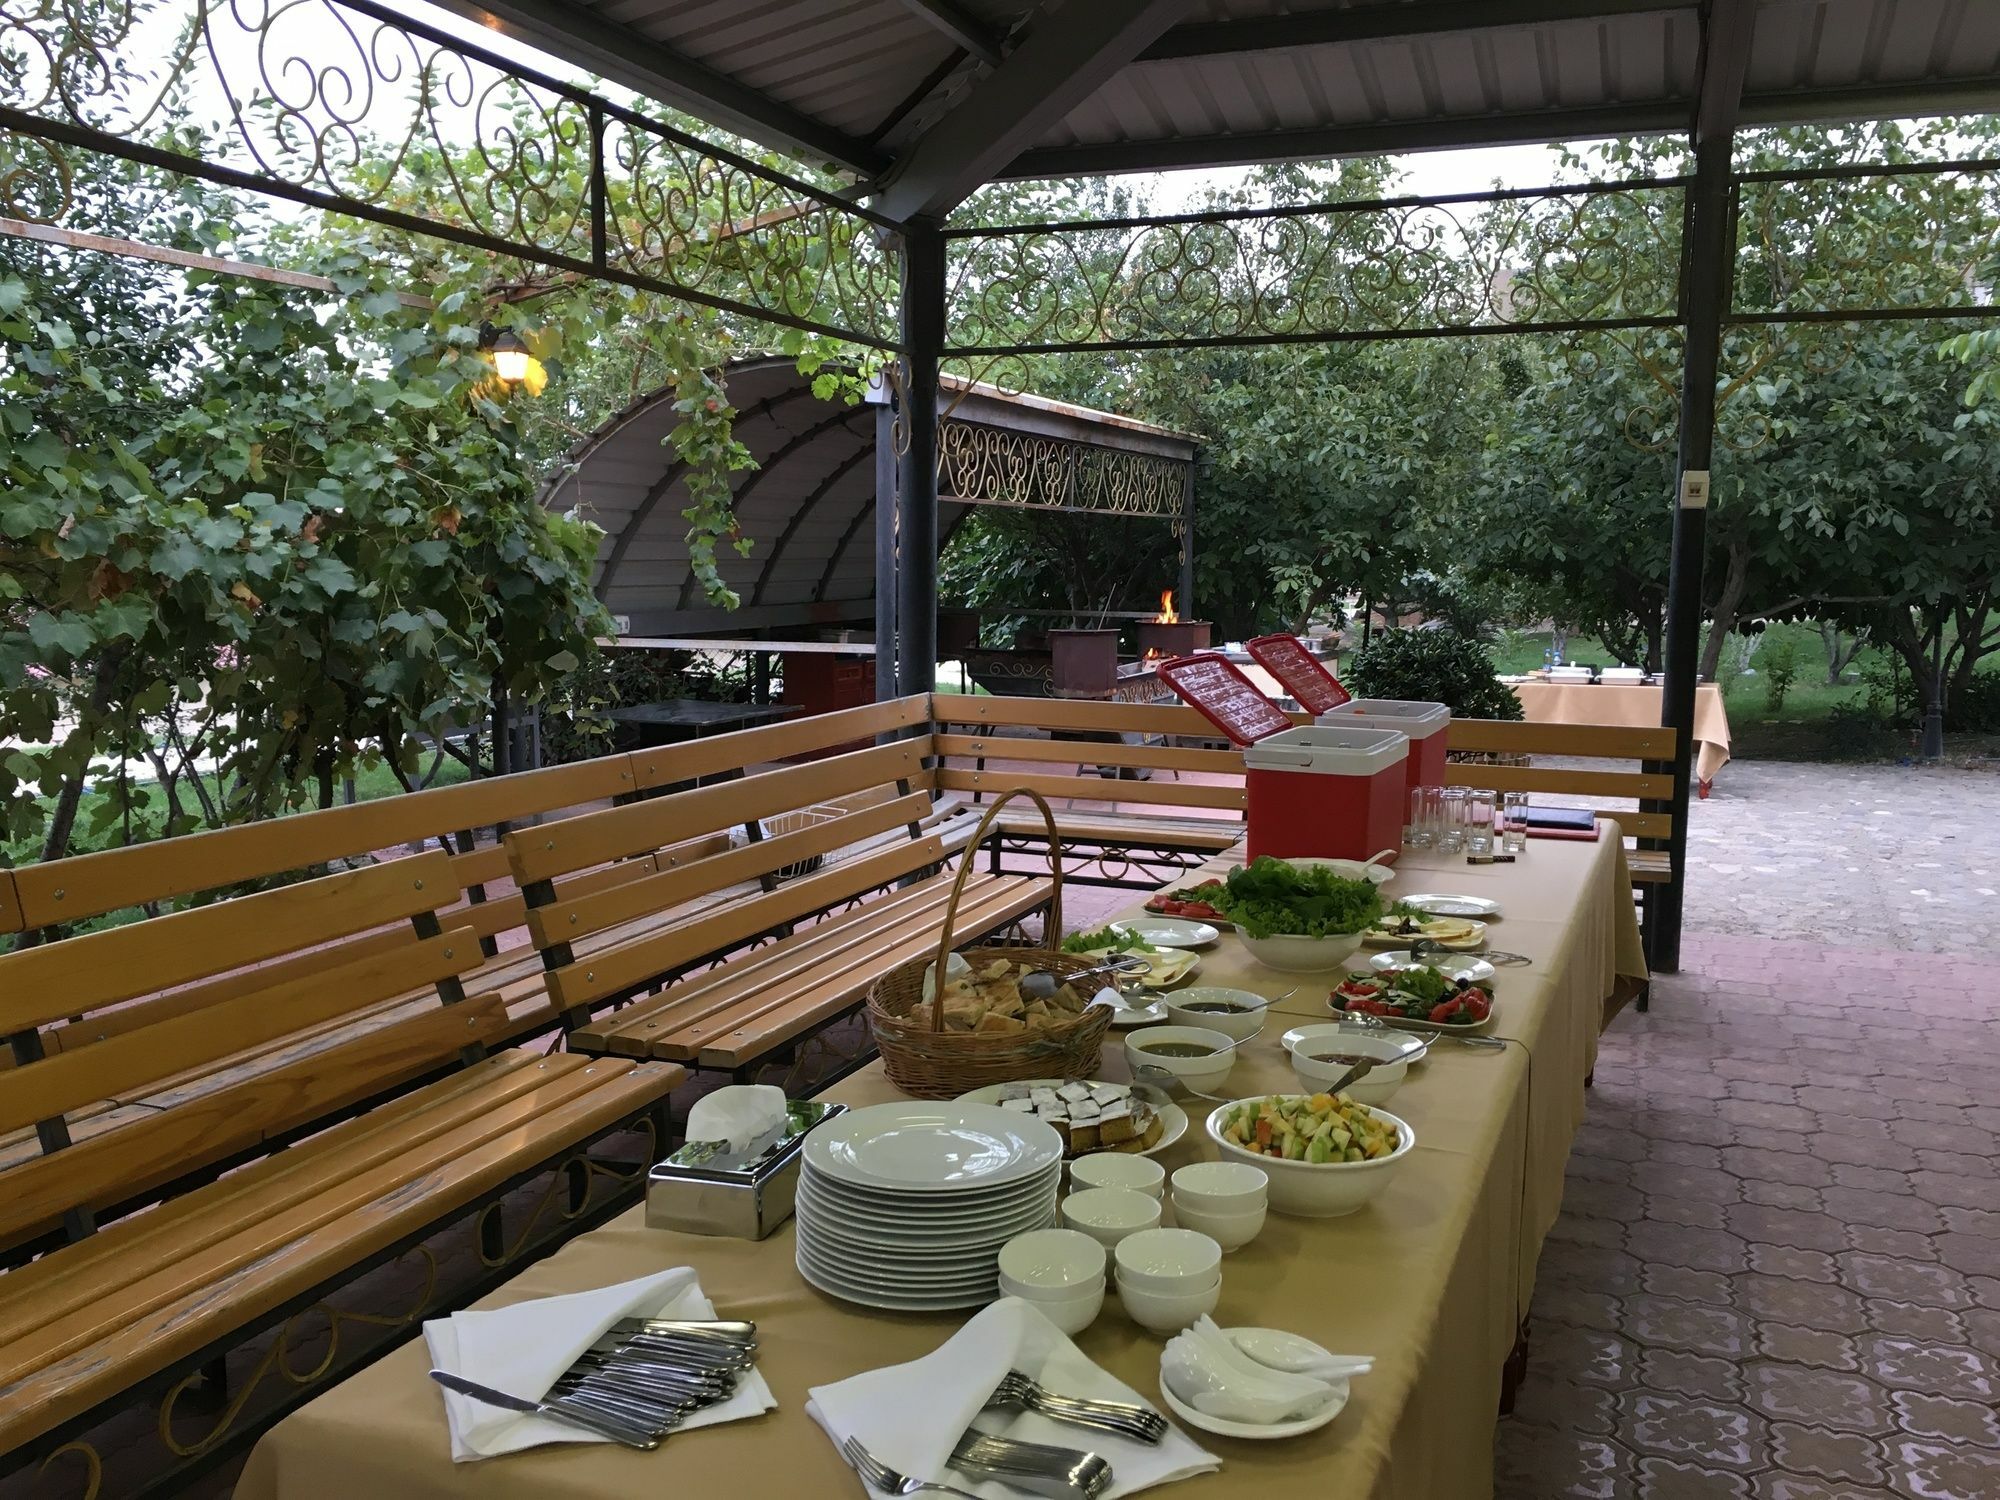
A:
(808, 507)
(859, 82)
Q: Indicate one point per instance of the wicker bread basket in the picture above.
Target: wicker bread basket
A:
(927, 1061)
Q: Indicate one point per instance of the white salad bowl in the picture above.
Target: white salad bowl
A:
(1167, 1260)
(1232, 1231)
(1221, 1187)
(1107, 1215)
(1319, 1190)
(1169, 1312)
(1114, 1169)
(1301, 955)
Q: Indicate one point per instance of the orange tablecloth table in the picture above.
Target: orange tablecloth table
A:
(1432, 1278)
(1633, 704)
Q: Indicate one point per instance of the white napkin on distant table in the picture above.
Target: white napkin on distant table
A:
(524, 1349)
(911, 1416)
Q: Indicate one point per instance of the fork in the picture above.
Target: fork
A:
(879, 1476)
(1019, 1389)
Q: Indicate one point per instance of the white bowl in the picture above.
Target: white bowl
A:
(1107, 1215)
(1052, 1260)
(1202, 1074)
(1114, 1169)
(1318, 1190)
(1168, 1313)
(1230, 1231)
(1242, 1021)
(1168, 1261)
(1301, 955)
(1391, 1053)
(1222, 1187)
(1072, 1313)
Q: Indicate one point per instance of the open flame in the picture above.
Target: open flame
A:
(1168, 615)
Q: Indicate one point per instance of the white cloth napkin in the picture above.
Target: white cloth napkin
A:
(524, 1349)
(911, 1416)
(737, 1113)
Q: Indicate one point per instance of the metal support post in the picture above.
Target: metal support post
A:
(1706, 277)
(885, 551)
(1187, 545)
(916, 491)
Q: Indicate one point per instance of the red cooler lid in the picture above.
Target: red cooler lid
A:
(1225, 697)
(1286, 658)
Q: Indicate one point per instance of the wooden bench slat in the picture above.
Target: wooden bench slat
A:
(48, 1088)
(1604, 741)
(740, 1036)
(1644, 825)
(669, 765)
(78, 974)
(619, 969)
(1094, 788)
(1091, 753)
(89, 885)
(598, 838)
(111, 1344)
(1109, 827)
(1574, 783)
(110, 1168)
(566, 919)
(1078, 714)
(640, 1029)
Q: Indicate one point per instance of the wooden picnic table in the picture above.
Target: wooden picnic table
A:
(1432, 1278)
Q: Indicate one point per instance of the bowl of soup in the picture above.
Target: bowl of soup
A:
(1199, 1056)
(1320, 1054)
(1235, 1013)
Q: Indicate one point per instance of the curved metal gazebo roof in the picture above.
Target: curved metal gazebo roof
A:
(809, 506)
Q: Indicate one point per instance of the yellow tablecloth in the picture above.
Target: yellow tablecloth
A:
(1634, 704)
(1431, 1278)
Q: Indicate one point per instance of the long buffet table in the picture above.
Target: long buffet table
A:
(1432, 1279)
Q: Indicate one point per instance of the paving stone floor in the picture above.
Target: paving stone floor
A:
(1777, 1273)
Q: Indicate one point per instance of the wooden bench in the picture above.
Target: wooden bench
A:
(137, 1310)
(1142, 834)
(878, 899)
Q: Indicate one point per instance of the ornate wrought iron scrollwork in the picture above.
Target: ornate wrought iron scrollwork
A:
(344, 104)
(992, 466)
(1605, 256)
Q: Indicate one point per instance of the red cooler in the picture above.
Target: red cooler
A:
(1328, 791)
(1304, 676)
(1425, 723)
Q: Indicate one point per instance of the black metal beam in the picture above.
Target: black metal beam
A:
(915, 578)
(885, 552)
(908, 104)
(1374, 23)
(1708, 253)
(1322, 142)
(968, 33)
(1063, 61)
(582, 36)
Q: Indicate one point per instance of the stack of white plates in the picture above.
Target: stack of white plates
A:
(906, 1206)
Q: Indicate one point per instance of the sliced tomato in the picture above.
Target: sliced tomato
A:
(1477, 1004)
(1446, 1013)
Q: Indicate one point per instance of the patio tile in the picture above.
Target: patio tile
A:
(1806, 1303)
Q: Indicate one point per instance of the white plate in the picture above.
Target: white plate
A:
(1452, 906)
(1245, 1339)
(933, 1148)
(1164, 969)
(930, 1206)
(1126, 1017)
(1476, 970)
(903, 1236)
(1168, 932)
(928, 1222)
(1476, 939)
(896, 1300)
(1173, 1119)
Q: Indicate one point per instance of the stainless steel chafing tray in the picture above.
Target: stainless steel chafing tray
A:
(707, 1188)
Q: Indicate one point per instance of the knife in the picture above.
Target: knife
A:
(630, 1434)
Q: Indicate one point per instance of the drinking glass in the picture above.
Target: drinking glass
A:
(1482, 806)
(1514, 823)
(1451, 820)
(1417, 828)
